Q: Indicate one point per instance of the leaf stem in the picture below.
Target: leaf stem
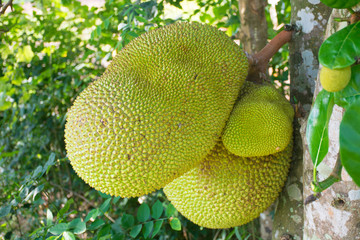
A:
(318, 187)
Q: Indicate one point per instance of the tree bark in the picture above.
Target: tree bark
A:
(253, 35)
(336, 215)
(311, 17)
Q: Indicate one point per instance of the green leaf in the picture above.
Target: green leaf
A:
(135, 230)
(116, 199)
(104, 195)
(5, 210)
(92, 214)
(170, 210)
(65, 208)
(127, 221)
(98, 30)
(58, 228)
(77, 226)
(317, 126)
(69, 236)
(95, 225)
(148, 227)
(141, 19)
(157, 227)
(157, 209)
(105, 206)
(350, 141)
(25, 54)
(175, 224)
(341, 49)
(49, 217)
(340, 3)
(143, 213)
(351, 93)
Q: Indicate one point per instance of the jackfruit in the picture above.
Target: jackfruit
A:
(334, 80)
(157, 110)
(226, 190)
(260, 123)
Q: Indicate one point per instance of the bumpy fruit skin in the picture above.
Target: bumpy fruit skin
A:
(334, 80)
(226, 190)
(157, 111)
(260, 123)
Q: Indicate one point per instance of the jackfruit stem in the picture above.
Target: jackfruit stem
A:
(258, 63)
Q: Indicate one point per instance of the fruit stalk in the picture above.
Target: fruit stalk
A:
(258, 63)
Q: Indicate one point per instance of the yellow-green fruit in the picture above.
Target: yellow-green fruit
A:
(334, 80)
(260, 123)
(226, 190)
(158, 109)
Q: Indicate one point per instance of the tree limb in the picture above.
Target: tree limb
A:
(3, 7)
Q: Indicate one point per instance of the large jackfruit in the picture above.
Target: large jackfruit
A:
(157, 111)
(260, 123)
(226, 190)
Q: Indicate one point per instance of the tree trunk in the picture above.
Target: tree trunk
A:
(253, 35)
(336, 215)
(311, 17)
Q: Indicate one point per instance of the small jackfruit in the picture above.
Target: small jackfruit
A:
(157, 111)
(226, 190)
(334, 80)
(260, 123)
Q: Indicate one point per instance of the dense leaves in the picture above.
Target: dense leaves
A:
(351, 93)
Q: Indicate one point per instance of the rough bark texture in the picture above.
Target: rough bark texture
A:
(311, 16)
(253, 35)
(336, 215)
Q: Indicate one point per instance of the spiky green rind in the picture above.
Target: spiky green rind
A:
(226, 190)
(260, 123)
(157, 110)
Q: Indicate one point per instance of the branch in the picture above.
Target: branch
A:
(4, 7)
(258, 63)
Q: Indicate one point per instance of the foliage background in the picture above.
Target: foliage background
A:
(48, 55)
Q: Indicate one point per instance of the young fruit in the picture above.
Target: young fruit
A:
(334, 80)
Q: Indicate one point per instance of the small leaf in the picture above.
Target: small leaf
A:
(36, 172)
(95, 225)
(351, 93)
(340, 4)
(5, 210)
(49, 217)
(157, 227)
(58, 228)
(104, 195)
(77, 226)
(116, 199)
(92, 214)
(127, 221)
(317, 126)
(148, 227)
(170, 210)
(69, 236)
(341, 49)
(143, 213)
(98, 30)
(350, 141)
(65, 208)
(105, 206)
(175, 224)
(135, 230)
(157, 209)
